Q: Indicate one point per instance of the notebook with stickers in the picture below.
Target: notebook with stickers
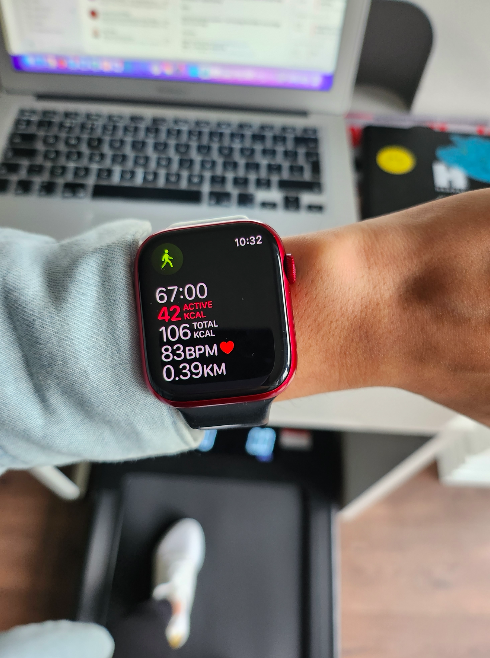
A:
(403, 167)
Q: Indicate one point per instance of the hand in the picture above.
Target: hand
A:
(401, 300)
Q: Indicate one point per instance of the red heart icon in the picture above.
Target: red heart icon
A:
(227, 347)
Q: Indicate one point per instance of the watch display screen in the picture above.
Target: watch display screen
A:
(213, 312)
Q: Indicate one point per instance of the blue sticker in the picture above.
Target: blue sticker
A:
(260, 443)
(208, 440)
(471, 154)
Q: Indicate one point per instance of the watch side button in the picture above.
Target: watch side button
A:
(290, 268)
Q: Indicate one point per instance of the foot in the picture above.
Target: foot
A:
(178, 559)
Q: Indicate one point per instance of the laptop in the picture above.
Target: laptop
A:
(173, 111)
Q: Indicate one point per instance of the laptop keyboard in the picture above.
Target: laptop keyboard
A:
(75, 155)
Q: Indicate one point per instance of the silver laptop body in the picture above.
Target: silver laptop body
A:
(278, 152)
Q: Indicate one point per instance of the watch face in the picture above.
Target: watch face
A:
(213, 312)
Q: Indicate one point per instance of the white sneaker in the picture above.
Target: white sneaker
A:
(177, 560)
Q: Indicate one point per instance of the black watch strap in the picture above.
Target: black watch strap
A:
(221, 416)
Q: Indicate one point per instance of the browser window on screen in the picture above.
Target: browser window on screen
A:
(271, 43)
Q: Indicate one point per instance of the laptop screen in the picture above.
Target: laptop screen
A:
(265, 43)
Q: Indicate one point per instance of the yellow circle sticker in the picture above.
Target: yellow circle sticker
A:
(396, 160)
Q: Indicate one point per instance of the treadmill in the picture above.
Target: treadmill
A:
(267, 500)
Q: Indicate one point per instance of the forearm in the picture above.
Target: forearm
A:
(401, 300)
(71, 382)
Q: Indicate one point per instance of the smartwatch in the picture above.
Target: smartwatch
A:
(215, 320)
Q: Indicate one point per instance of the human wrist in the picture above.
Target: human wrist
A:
(431, 262)
(387, 259)
(401, 300)
(340, 305)
(438, 258)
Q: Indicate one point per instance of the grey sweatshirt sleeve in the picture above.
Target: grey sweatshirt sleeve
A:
(71, 382)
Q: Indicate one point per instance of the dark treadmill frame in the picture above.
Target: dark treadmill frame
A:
(318, 475)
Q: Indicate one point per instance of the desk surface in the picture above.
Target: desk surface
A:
(369, 410)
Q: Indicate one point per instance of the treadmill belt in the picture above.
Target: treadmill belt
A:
(248, 598)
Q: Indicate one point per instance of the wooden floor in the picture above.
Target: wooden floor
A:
(415, 568)
(416, 574)
(41, 551)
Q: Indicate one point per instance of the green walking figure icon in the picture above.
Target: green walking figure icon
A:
(166, 259)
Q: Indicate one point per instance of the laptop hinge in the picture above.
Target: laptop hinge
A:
(163, 104)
